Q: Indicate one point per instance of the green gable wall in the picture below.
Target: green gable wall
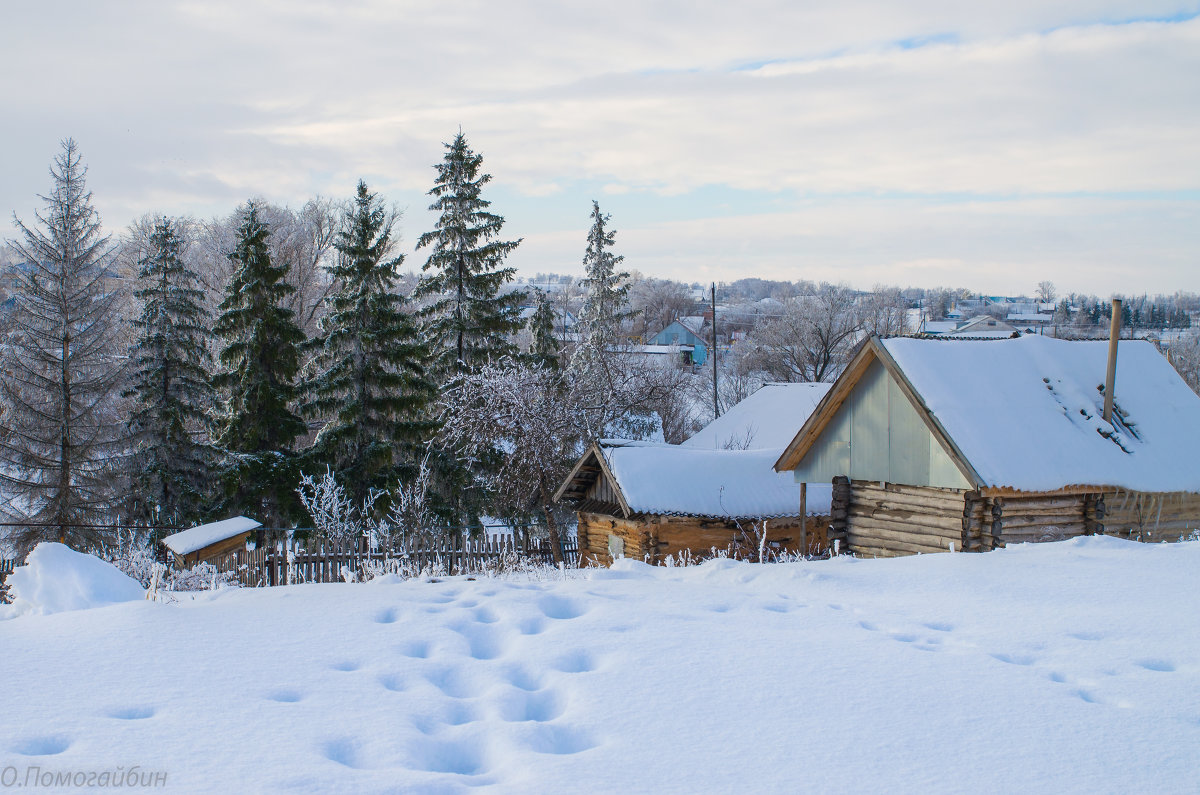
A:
(877, 434)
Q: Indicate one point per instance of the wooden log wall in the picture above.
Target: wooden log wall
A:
(889, 520)
(1143, 516)
(656, 538)
(1025, 517)
(839, 510)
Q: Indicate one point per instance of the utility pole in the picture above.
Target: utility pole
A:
(716, 403)
(1110, 378)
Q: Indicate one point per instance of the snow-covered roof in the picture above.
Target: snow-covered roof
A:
(1030, 317)
(1026, 412)
(939, 326)
(768, 419)
(693, 323)
(737, 484)
(188, 541)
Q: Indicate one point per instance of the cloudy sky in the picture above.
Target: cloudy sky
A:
(989, 144)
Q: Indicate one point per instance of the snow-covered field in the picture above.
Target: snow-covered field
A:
(1068, 667)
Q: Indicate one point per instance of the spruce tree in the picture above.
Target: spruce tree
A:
(468, 319)
(605, 303)
(370, 375)
(59, 392)
(259, 362)
(170, 384)
(543, 349)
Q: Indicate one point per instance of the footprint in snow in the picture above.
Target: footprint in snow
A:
(387, 616)
(345, 665)
(1162, 666)
(482, 640)
(519, 706)
(546, 738)
(560, 607)
(1015, 659)
(393, 682)
(284, 696)
(41, 746)
(452, 682)
(867, 625)
(464, 758)
(939, 626)
(417, 649)
(131, 713)
(575, 662)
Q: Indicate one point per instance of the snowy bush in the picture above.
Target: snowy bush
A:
(132, 552)
(334, 517)
(201, 577)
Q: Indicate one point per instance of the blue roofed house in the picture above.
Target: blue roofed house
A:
(685, 332)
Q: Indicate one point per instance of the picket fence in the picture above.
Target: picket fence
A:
(332, 562)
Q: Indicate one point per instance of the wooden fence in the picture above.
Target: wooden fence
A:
(329, 562)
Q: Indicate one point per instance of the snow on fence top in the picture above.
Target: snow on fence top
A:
(668, 479)
(1027, 413)
(192, 539)
(767, 420)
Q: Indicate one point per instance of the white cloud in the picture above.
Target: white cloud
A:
(186, 107)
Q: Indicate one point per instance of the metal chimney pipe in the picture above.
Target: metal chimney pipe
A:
(1114, 334)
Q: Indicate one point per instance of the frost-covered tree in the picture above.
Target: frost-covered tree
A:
(613, 388)
(813, 340)
(469, 320)
(526, 420)
(169, 383)
(606, 302)
(369, 372)
(1184, 354)
(259, 361)
(62, 368)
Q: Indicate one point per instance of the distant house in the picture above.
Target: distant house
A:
(928, 442)
(207, 542)
(652, 501)
(983, 326)
(685, 332)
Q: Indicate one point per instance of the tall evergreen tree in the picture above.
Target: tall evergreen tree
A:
(468, 319)
(170, 384)
(543, 349)
(605, 307)
(259, 361)
(606, 301)
(370, 374)
(60, 425)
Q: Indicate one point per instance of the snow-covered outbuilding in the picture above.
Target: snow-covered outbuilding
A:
(972, 444)
(651, 501)
(209, 541)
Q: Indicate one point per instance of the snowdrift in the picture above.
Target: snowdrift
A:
(1048, 668)
(56, 579)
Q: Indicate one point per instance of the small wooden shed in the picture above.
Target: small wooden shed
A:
(207, 542)
(651, 501)
(934, 444)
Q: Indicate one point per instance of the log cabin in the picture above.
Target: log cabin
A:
(935, 445)
(207, 542)
(715, 491)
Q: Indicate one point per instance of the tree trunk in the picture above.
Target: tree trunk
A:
(551, 524)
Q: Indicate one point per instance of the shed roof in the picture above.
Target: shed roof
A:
(766, 420)
(1025, 413)
(192, 539)
(666, 479)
